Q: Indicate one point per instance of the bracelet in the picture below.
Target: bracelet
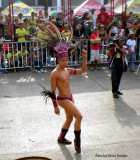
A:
(54, 103)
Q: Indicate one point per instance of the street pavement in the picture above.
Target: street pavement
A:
(110, 127)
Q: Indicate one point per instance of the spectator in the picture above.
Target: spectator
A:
(2, 21)
(93, 16)
(85, 17)
(131, 18)
(121, 32)
(138, 41)
(21, 34)
(70, 17)
(46, 17)
(77, 34)
(94, 49)
(130, 28)
(76, 21)
(131, 43)
(16, 26)
(38, 60)
(103, 36)
(89, 30)
(60, 21)
(118, 19)
(103, 17)
(25, 56)
(88, 33)
(66, 32)
(20, 18)
(113, 31)
(32, 23)
(27, 27)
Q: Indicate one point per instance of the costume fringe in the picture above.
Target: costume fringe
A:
(46, 93)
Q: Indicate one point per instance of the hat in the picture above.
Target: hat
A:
(130, 34)
(36, 49)
(95, 28)
(90, 21)
(102, 25)
(93, 9)
(103, 8)
(121, 38)
(66, 25)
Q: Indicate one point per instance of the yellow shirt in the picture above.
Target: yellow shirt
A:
(32, 23)
(24, 53)
(9, 55)
(27, 29)
(22, 32)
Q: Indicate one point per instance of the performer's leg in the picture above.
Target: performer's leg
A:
(66, 125)
(71, 108)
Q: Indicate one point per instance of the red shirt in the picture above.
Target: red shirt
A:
(94, 46)
(103, 18)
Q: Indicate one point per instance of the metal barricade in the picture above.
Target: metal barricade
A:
(35, 55)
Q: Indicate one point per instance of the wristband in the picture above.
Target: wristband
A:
(54, 103)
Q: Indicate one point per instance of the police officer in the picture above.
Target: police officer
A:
(118, 63)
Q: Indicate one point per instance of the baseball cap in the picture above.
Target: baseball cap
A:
(95, 28)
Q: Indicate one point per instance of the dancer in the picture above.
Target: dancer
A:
(60, 79)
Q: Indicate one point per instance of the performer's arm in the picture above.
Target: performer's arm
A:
(84, 66)
(53, 89)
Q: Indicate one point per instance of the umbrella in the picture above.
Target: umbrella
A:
(53, 14)
(20, 7)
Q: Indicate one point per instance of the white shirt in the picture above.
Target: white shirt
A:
(131, 44)
(121, 32)
(115, 30)
(93, 17)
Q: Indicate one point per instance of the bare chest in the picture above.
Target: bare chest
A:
(63, 77)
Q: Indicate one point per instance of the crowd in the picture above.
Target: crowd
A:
(103, 26)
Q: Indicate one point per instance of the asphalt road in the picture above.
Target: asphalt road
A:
(110, 127)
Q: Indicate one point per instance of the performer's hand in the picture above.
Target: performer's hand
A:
(57, 110)
(84, 53)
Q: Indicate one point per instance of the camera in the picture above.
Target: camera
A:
(114, 40)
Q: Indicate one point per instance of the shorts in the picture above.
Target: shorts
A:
(94, 55)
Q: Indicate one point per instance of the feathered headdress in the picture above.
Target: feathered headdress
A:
(54, 39)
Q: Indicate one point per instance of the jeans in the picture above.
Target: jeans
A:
(48, 58)
(116, 74)
(132, 57)
(2, 28)
(40, 63)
